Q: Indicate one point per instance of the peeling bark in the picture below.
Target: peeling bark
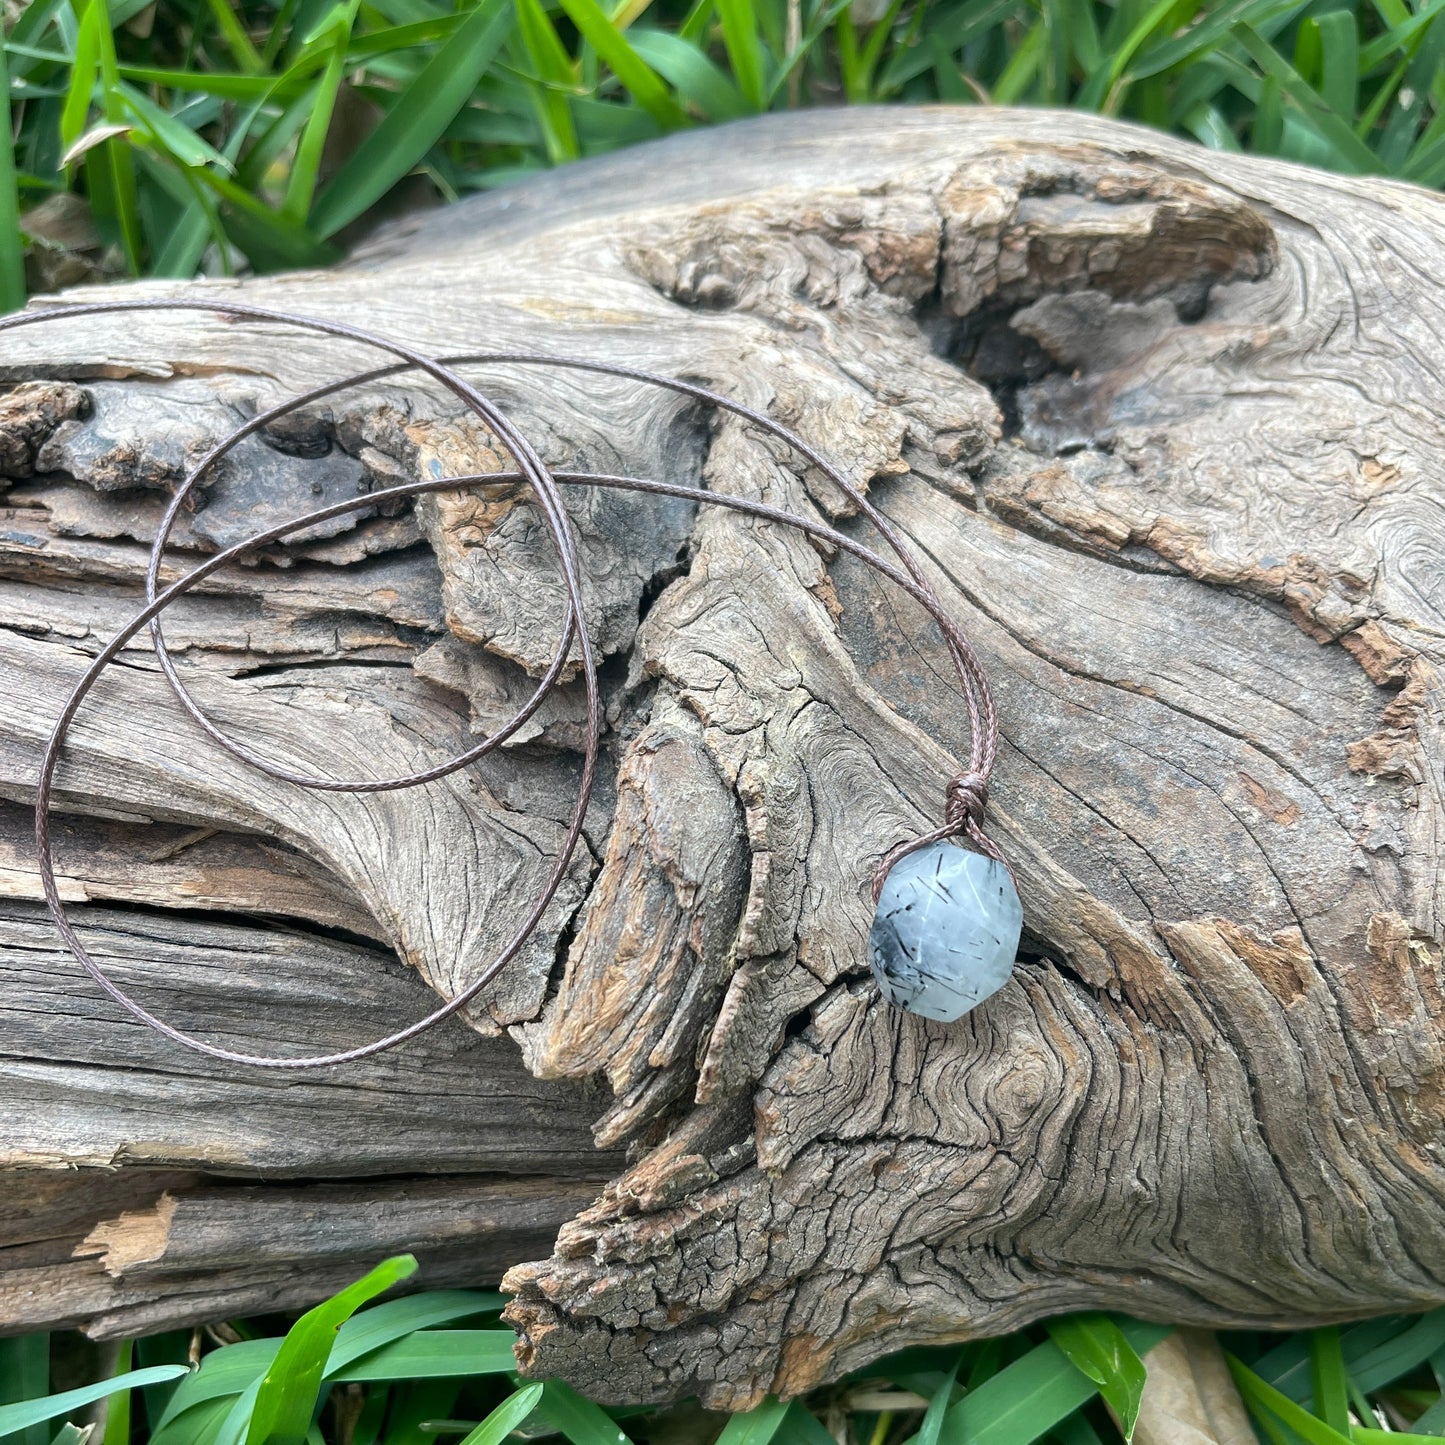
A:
(1159, 422)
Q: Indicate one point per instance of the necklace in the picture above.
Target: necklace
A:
(948, 918)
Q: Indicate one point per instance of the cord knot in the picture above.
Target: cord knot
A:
(967, 797)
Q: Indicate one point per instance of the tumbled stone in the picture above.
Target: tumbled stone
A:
(946, 932)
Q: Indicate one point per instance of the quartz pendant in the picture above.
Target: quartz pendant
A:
(946, 932)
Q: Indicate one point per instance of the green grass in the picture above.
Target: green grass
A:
(436, 1366)
(222, 134)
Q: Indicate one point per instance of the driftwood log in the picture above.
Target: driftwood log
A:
(1169, 429)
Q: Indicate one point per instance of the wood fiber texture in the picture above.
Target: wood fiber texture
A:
(1164, 425)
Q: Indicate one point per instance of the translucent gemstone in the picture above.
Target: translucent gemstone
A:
(946, 932)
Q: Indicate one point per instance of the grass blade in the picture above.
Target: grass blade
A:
(930, 1431)
(1385, 1363)
(25, 1413)
(170, 1348)
(1287, 1365)
(558, 75)
(109, 167)
(1268, 128)
(757, 1426)
(24, 1376)
(1020, 1403)
(801, 1427)
(222, 1374)
(1096, 1345)
(110, 179)
(1210, 128)
(1432, 1422)
(403, 37)
(1398, 136)
(286, 1399)
(417, 1404)
(198, 223)
(417, 119)
(624, 62)
(955, 30)
(1023, 66)
(1349, 152)
(1058, 51)
(582, 1422)
(745, 50)
(845, 40)
(171, 136)
(84, 70)
(544, 45)
(384, 1323)
(12, 246)
(1397, 37)
(1363, 1435)
(1076, 1430)
(225, 85)
(1264, 1400)
(877, 39)
(506, 1417)
(436, 1354)
(1327, 1375)
(237, 1422)
(373, 1416)
(1156, 20)
(1208, 33)
(688, 70)
(301, 184)
(272, 141)
(246, 55)
(1339, 38)
(1026, 1399)
(34, 21)
(96, 135)
(117, 1410)
(269, 240)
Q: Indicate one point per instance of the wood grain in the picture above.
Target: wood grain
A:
(1161, 422)
(192, 1251)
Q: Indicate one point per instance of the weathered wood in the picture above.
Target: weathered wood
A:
(110, 1214)
(86, 1088)
(1161, 422)
(193, 1251)
(171, 867)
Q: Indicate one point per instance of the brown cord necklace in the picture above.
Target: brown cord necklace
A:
(948, 918)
